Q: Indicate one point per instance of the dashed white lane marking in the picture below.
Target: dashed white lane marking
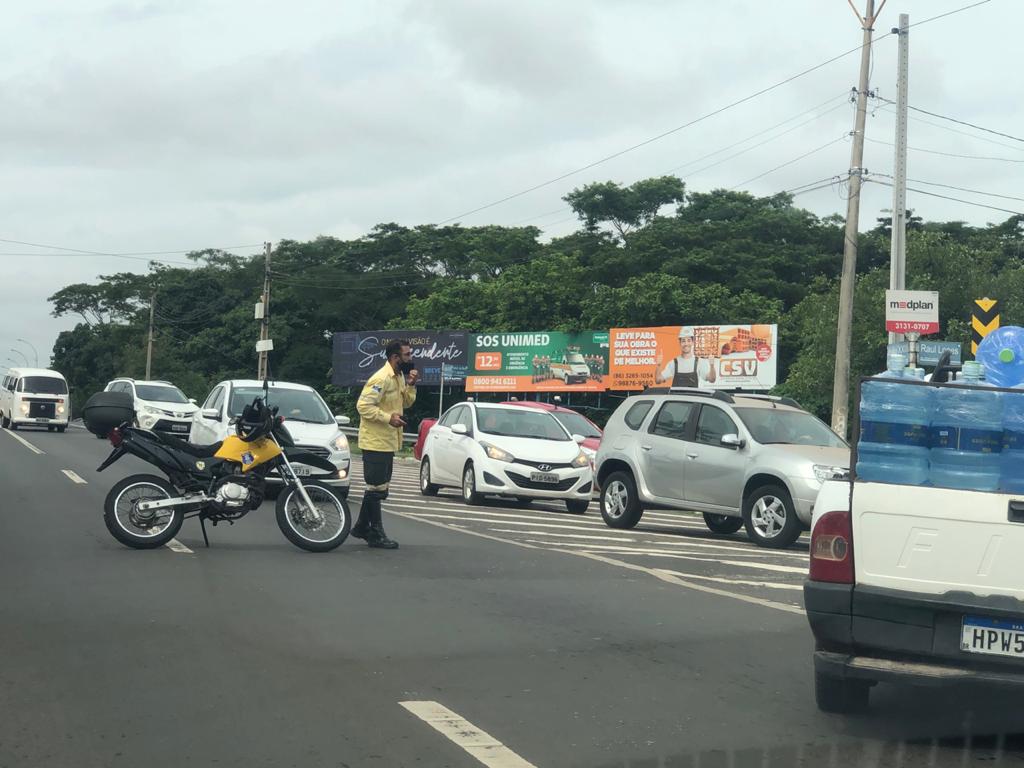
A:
(658, 573)
(24, 442)
(478, 743)
(176, 546)
(74, 477)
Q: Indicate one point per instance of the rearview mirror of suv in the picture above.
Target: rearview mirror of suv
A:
(734, 441)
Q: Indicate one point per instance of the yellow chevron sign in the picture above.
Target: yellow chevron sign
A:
(984, 320)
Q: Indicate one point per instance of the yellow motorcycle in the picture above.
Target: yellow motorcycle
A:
(217, 483)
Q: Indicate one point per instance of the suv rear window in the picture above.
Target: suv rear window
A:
(637, 413)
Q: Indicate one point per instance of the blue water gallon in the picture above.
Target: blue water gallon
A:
(967, 434)
(1002, 355)
(1011, 475)
(894, 420)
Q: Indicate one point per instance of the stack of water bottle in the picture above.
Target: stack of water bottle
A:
(969, 437)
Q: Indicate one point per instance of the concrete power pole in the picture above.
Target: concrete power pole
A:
(841, 384)
(149, 346)
(898, 246)
(263, 314)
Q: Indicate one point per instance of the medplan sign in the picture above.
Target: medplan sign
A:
(912, 311)
(360, 354)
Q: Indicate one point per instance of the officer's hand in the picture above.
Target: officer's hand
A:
(397, 420)
(414, 376)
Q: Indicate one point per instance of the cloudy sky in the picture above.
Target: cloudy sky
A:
(137, 126)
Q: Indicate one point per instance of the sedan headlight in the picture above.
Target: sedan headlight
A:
(823, 472)
(496, 453)
(582, 460)
(340, 443)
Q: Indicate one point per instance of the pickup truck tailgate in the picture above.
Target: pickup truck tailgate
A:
(936, 540)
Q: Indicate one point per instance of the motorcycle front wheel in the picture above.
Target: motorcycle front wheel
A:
(133, 527)
(319, 531)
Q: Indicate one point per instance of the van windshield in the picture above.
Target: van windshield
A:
(43, 385)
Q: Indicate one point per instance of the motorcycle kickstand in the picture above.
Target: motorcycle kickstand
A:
(202, 524)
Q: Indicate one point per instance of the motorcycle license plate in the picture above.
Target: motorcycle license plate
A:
(543, 477)
(179, 427)
(301, 471)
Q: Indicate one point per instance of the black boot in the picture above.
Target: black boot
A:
(377, 539)
(361, 530)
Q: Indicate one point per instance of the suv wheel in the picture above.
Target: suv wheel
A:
(770, 517)
(722, 523)
(841, 696)
(620, 503)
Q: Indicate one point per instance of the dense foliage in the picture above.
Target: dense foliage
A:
(717, 257)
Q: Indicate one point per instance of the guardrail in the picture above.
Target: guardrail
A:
(407, 437)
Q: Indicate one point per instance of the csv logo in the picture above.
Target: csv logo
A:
(738, 368)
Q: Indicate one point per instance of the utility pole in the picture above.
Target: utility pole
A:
(841, 384)
(263, 314)
(898, 245)
(149, 346)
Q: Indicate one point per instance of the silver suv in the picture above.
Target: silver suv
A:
(741, 459)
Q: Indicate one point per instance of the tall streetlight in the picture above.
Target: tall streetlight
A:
(35, 354)
(12, 349)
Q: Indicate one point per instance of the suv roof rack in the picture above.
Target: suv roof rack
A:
(771, 398)
(717, 394)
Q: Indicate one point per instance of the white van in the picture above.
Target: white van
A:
(34, 397)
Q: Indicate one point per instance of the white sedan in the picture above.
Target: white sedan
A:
(504, 450)
(306, 417)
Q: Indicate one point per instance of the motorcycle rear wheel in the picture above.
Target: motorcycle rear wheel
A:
(129, 526)
(305, 533)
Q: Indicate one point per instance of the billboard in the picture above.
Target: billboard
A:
(705, 356)
(357, 355)
(538, 361)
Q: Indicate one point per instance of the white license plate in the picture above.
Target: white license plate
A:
(543, 477)
(301, 471)
(42, 421)
(995, 637)
(179, 427)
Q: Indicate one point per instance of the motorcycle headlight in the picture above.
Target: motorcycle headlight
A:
(823, 472)
(496, 453)
(340, 443)
(582, 460)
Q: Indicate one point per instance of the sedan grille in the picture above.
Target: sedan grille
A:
(316, 450)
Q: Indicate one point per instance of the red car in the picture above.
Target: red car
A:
(575, 423)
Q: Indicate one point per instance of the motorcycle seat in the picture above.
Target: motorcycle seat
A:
(199, 451)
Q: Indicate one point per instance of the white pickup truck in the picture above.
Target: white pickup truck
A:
(914, 584)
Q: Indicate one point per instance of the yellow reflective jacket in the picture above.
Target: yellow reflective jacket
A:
(384, 394)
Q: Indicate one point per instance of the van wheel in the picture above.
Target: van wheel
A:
(49, 429)
(839, 695)
(62, 430)
(469, 492)
(770, 517)
(5, 422)
(620, 503)
(722, 523)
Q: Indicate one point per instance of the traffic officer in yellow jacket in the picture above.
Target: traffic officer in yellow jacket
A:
(385, 396)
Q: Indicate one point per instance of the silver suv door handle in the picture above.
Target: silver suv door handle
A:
(691, 455)
(645, 447)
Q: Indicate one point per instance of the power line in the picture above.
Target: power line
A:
(958, 122)
(951, 154)
(133, 255)
(790, 162)
(942, 127)
(958, 189)
(954, 199)
(950, 13)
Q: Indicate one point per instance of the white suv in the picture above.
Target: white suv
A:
(159, 405)
(306, 416)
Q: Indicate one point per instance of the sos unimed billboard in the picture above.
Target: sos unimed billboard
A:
(357, 355)
(704, 356)
(538, 361)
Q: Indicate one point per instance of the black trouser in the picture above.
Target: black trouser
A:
(377, 469)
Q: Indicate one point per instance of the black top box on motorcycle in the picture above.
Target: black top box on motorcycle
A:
(105, 411)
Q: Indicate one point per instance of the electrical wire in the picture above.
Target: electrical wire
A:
(954, 199)
(790, 162)
(950, 154)
(942, 127)
(955, 120)
(958, 189)
(134, 255)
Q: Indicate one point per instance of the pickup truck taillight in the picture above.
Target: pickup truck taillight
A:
(832, 548)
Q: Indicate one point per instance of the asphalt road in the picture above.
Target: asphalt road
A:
(526, 637)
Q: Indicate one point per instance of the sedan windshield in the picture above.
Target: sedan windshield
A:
(775, 425)
(294, 404)
(158, 393)
(576, 424)
(44, 385)
(519, 422)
